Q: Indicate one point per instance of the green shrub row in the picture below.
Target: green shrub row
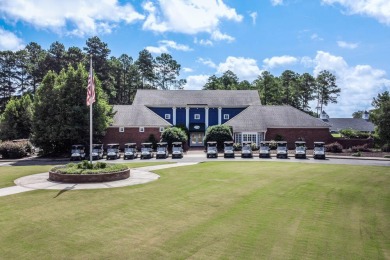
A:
(86, 167)
(350, 133)
(360, 148)
(15, 150)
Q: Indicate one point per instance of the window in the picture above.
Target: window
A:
(238, 138)
(197, 116)
(161, 129)
(121, 129)
(247, 137)
(141, 129)
(167, 116)
(226, 116)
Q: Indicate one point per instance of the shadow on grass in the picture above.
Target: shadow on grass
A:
(65, 190)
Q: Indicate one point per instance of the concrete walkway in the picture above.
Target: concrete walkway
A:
(40, 181)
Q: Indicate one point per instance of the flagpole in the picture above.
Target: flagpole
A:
(90, 121)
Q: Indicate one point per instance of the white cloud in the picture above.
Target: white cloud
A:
(77, 17)
(207, 62)
(165, 45)
(276, 2)
(205, 42)
(244, 68)
(218, 36)
(196, 82)
(190, 17)
(359, 84)
(278, 61)
(9, 41)
(186, 70)
(315, 37)
(347, 45)
(378, 9)
(253, 15)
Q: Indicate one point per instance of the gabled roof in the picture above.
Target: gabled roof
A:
(136, 116)
(259, 118)
(358, 124)
(211, 98)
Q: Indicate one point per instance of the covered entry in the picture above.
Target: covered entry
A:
(197, 134)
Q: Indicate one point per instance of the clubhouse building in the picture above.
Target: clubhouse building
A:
(154, 110)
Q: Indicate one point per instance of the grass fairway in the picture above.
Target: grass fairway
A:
(228, 210)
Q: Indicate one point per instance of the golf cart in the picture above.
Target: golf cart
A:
(319, 150)
(246, 150)
(212, 150)
(177, 150)
(97, 151)
(113, 151)
(162, 150)
(300, 149)
(228, 150)
(264, 150)
(147, 151)
(77, 152)
(130, 151)
(281, 149)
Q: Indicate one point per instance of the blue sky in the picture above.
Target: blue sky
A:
(351, 38)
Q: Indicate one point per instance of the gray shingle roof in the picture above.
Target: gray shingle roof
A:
(211, 98)
(259, 118)
(136, 116)
(352, 123)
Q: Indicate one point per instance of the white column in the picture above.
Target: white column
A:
(188, 117)
(206, 116)
(219, 115)
(174, 116)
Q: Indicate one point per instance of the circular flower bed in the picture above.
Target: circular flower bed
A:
(85, 172)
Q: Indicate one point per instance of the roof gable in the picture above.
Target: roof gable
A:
(211, 98)
(358, 124)
(136, 116)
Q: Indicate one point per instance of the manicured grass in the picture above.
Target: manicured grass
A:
(10, 173)
(337, 135)
(227, 210)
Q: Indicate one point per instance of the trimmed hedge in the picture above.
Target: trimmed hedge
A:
(334, 148)
(15, 150)
(353, 134)
(219, 134)
(360, 148)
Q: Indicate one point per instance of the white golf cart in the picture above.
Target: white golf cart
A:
(281, 149)
(300, 149)
(319, 150)
(177, 150)
(212, 150)
(113, 152)
(77, 152)
(130, 151)
(228, 150)
(264, 150)
(162, 150)
(246, 150)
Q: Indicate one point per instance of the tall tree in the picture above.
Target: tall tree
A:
(16, 119)
(145, 64)
(57, 126)
(288, 81)
(306, 87)
(55, 59)
(380, 116)
(358, 114)
(213, 83)
(269, 90)
(22, 77)
(35, 64)
(7, 77)
(229, 80)
(167, 70)
(326, 89)
(74, 56)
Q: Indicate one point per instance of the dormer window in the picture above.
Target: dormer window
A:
(167, 116)
(226, 116)
(197, 116)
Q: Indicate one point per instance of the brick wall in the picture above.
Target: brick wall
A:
(309, 135)
(130, 135)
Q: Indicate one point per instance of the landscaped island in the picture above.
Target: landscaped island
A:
(85, 172)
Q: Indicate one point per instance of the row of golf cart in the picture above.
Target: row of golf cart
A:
(131, 151)
(265, 150)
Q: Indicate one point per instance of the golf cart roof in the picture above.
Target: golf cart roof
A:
(211, 143)
(319, 143)
(130, 144)
(281, 142)
(246, 143)
(300, 142)
(162, 144)
(265, 142)
(177, 143)
(146, 143)
(229, 142)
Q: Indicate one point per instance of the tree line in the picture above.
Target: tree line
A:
(23, 71)
(290, 88)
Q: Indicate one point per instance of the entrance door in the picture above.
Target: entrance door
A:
(196, 139)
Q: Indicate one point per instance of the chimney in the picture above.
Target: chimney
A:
(366, 115)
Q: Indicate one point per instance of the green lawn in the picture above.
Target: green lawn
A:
(224, 210)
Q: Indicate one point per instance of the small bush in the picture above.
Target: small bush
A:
(358, 154)
(360, 148)
(273, 145)
(386, 148)
(237, 146)
(219, 134)
(254, 147)
(350, 133)
(86, 167)
(279, 137)
(386, 156)
(334, 148)
(14, 150)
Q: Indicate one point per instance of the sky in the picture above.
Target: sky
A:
(350, 38)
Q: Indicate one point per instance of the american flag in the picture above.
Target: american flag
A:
(90, 88)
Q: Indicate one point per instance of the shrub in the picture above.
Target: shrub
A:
(360, 148)
(14, 150)
(350, 133)
(237, 146)
(279, 137)
(152, 139)
(219, 134)
(254, 147)
(358, 154)
(334, 148)
(86, 167)
(174, 134)
(386, 148)
(273, 145)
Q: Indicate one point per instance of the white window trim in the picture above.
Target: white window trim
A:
(167, 116)
(142, 129)
(121, 129)
(197, 116)
(161, 129)
(226, 116)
